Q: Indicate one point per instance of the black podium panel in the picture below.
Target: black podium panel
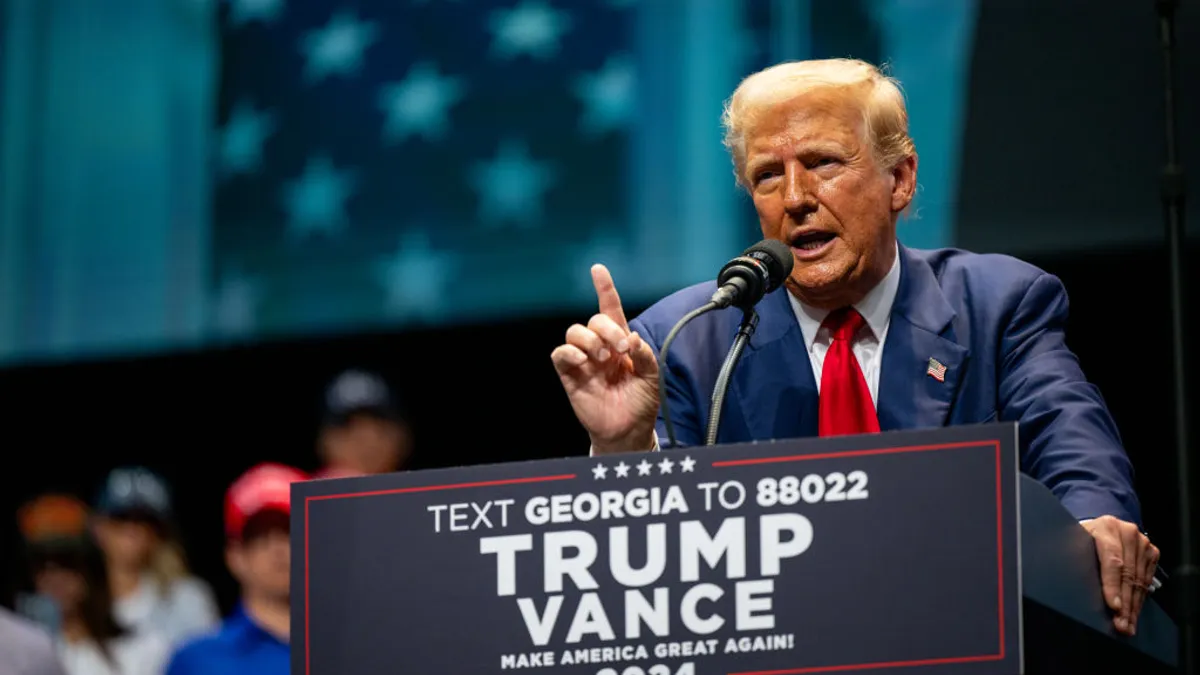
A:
(884, 553)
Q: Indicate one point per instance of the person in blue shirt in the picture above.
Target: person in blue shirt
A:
(255, 638)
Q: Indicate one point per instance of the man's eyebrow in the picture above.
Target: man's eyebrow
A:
(754, 166)
(798, 150)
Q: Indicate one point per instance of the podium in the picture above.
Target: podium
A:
(914, 551)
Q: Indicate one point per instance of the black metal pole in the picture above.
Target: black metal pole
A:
(1185, 578)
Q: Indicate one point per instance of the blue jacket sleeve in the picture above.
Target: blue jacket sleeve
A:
(686, 413)
(1068, 439)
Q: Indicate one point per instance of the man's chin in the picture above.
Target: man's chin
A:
(820, 286)
(821, 276)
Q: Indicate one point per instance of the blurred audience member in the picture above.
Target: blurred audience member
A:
(69, 570)
(255, 639)
(364, 430)
(25, 648)
(148, 573)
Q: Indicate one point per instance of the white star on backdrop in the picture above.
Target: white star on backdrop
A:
(665, 465)
(644, 468)
(242, 138)
(419, 103)
(532, 27)
(608, 95)
(337, 48)
(511, 186)
(687, 464)
(316, 201)
(415, 277)
(242, 12)
(599, 472)
(235, 311)
(622, 470)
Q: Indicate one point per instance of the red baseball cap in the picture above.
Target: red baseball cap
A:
(264, 487)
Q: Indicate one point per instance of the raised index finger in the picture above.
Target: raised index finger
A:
(606, 293)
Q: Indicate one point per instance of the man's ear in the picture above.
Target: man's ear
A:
(904, 183)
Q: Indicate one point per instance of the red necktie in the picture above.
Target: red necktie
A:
(846, 406)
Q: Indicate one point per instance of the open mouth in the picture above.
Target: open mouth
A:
(811, 242)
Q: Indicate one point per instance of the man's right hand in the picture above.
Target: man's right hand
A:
(610, 375)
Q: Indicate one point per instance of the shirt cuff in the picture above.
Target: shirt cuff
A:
(653, 448)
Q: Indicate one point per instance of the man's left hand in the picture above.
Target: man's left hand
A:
(1127, 564)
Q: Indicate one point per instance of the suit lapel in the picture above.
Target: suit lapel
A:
(773, 383)
(921, 329)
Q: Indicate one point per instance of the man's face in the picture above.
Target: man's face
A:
(128, 542)
(366, 443)
(818, 188)
(262, 563)
(65, 586)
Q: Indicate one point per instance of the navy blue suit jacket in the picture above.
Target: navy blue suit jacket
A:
(995, 322)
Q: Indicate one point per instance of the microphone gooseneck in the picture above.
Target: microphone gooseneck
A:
(662, 366)
(745, 330)
(760, 269)
(741, 283)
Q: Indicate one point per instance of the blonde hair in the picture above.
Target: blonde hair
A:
(885, 118)
(168, 564)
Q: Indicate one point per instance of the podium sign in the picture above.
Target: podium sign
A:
(863, 553)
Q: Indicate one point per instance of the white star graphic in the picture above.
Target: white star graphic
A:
(337, 48)
(415, 278)
(644, 468)
(242, 12)
(235, 311)
(511, 185)
(242, 138)
(599, 471)
(665, 465)
(607, 95)
(419, 103)
(622, 470)
(687, 464)
(316, 201)
(532, 27)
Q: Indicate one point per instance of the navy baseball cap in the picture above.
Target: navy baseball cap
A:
(360, 391)
(135, 492)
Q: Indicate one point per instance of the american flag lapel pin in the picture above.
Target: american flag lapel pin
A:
(936, 370)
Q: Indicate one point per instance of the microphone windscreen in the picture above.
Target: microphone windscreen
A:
(777, 257)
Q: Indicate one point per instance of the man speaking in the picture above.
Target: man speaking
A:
(870, 336)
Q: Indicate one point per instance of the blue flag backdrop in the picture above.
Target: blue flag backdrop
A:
(197, 171)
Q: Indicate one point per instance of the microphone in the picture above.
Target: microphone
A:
(741, 283)
(759, 270)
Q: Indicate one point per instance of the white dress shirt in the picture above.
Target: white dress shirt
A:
(875, 307)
